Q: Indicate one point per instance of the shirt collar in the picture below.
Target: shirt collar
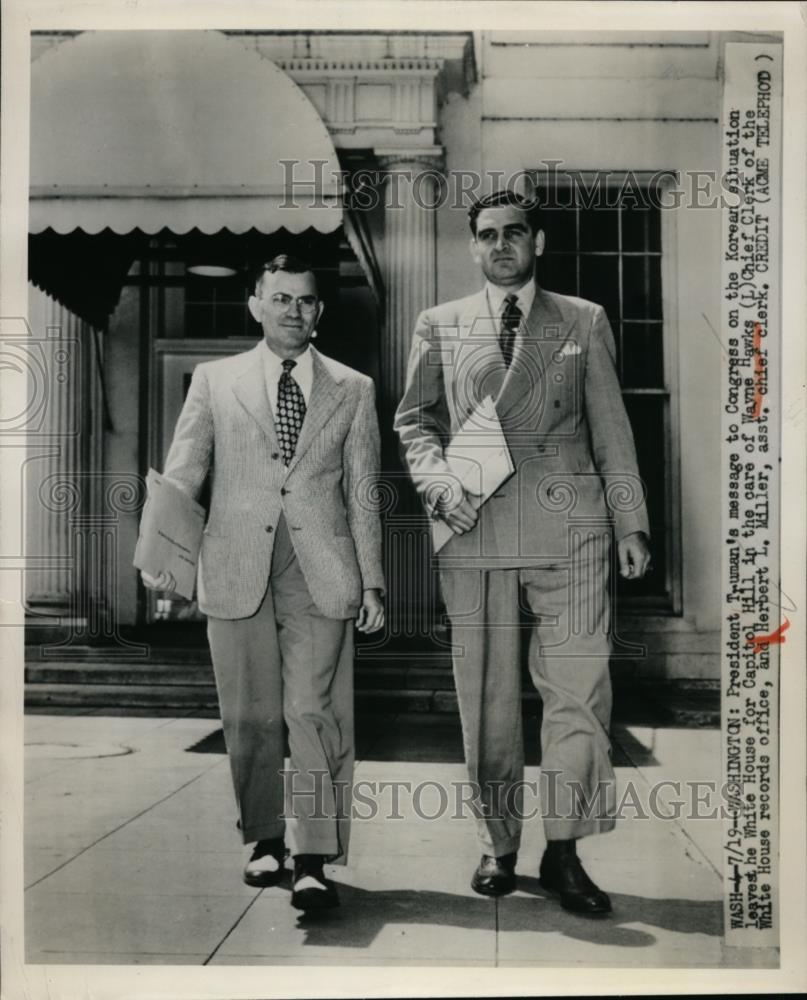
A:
(497, 295)
(274, 364)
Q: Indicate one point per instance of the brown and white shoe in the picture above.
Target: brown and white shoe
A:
(310, 889)
(265, 865)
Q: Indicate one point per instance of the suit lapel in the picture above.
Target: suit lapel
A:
(475, 319)
(479, 364)
(541, 335)
(251, 392)
(326, 394)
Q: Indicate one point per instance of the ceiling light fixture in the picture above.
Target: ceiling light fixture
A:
(211, 270)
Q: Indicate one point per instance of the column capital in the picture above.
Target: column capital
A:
(402, 158)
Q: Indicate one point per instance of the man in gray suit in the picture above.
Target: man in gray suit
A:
(291, 553)
(541, 543)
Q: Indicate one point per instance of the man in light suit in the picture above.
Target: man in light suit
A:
(539, 544)
(291, 553)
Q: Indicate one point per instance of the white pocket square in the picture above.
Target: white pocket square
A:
(570, 347)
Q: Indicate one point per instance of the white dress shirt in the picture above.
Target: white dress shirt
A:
(302, 373)
(496, 296)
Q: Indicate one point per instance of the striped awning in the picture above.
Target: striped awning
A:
(177, 130)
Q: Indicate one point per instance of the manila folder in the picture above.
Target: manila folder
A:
(170, 533)
(480, 459)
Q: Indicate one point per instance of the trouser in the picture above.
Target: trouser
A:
(288, 662)
(568, 664)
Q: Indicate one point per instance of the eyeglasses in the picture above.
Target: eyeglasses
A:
(283, 302)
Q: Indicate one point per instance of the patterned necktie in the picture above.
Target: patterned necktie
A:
(511, 321)
(290, 411)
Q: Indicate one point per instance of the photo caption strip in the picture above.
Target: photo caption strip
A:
(753, 624)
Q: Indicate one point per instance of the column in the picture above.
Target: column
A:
(413, 188)
(55, 374)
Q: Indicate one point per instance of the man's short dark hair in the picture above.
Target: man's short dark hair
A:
(530, 207)
(283, 262)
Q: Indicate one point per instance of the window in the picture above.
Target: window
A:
(215, 307)
(189, 304)
(610, 250)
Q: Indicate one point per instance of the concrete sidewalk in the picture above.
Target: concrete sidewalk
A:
(132, 857)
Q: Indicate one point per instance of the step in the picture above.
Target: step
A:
(184, 696)
(686, 703)
(402, 654)
(160, 674)
(52, 654)
(191, 696)
(677, 711)
(183, 681)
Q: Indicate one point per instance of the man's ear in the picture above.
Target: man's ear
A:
(540, 242)
(320, 311)
(254, 304)
(473, 246)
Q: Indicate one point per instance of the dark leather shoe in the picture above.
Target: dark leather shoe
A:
(310, 889)
(265, 866)
(566, 877)
(495, 876)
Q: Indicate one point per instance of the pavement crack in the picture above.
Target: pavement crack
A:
(237, 921)
(678, 825)
(120, 826)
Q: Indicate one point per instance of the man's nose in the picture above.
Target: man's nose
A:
(501, 241)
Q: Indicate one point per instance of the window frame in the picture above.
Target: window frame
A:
(664, 181)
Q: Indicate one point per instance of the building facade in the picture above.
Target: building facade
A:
(360, 151)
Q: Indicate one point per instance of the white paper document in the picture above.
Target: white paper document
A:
(480, 459)
(170, 533)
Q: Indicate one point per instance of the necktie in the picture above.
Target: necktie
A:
(290, 411)
(511, 320)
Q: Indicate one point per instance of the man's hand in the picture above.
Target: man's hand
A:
(634, 556)
(164, 581)
(463, 516)
(371, 613)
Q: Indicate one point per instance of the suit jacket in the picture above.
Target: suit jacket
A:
(562, 413)
(226, 428)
